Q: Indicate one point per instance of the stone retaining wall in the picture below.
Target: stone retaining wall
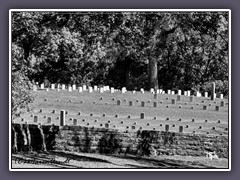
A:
(27, 137)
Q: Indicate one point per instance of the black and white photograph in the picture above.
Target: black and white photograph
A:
(120, 89)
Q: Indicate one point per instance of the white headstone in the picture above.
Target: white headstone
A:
(101, 90)
(107, 88)
(206, 94)
(58, 86)
(133, 91)
(74, 87)
(80, 89)
(84, 87)
(163, 92)
(124, 90)
(142, 90)
(95, 88)
(179, 92)
(112, 90)
(198, 94)
(90, 89)
(104, 88)
(221, 96)
(188, 93)
(158, 91)
(173, 92)
(185, 93)
(152, 90)
(52, 86)
(63, 86)
(69, 89)
(42, 86)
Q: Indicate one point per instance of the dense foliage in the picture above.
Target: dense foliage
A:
(173, 50)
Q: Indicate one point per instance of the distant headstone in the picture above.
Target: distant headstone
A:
(75, 122)
(69, 89)
(63, 87)
(185, 93)
(221, 96)
(204, 107)
(118, 102)
(166, 127)
(173, 92)
(52, 86)
(90, 89)
(35, 118)
(191, 98)
(42, 86)
(188, 93)
(178, 97)
(206, 94)
(74, 87)
(112, 90)
(198, 94)
(101, 90)
(49, 120)
(95, 88)
(169, 91)
(107, 125)
(222, 103)
(151, 90)
(179, 92)
(124, 90)
(154, 104)
(142, 90)
(130, 103)
(84, 87)
(80, 89)
(213, 92)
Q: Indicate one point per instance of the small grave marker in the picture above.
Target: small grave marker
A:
(166, 127)
(75, 122)
(154, 104)
(62, 118)
(49, 120)
(173, 101)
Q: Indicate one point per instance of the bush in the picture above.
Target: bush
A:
(21, 94)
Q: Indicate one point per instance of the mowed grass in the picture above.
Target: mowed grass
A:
(103, 107)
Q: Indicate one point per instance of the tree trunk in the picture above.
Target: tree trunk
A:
(153, 73)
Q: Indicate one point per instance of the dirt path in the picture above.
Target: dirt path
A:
(86, 160)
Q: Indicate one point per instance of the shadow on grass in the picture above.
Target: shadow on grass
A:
(162, 163)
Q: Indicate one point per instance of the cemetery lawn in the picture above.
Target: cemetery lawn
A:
(182, 113)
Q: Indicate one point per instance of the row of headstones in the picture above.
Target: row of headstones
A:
(63, 114)
(124, 90)
(74, 87)
(173, 101)
(108, 124)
